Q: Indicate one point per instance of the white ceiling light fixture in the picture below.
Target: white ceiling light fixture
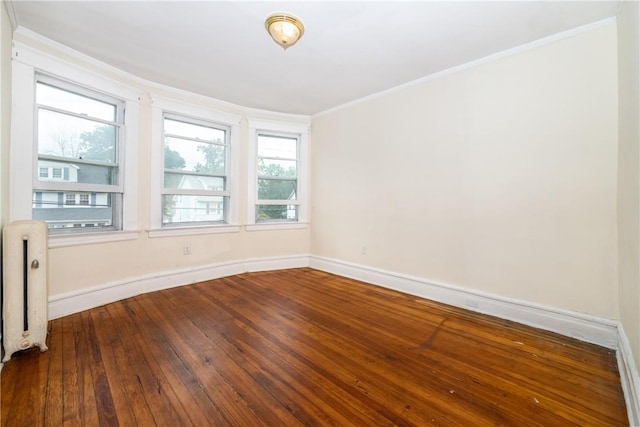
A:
(284, 28)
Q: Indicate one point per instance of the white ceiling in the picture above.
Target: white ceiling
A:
(349, 49)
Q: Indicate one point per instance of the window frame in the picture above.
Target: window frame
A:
(300, 131)
(225, 193)
(168, 107)
(28, 65)
(58, 183)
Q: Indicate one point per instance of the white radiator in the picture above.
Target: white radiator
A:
(24, 267)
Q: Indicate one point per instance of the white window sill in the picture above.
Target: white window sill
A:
(64, 240)
(276, 226)
(191, 231)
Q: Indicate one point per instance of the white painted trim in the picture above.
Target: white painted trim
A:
(585, 327)
(192, 231)
(276, 226)
(157, 168)
(276, 263)
(629, 378)
(494, 57)
(184, 108)
(77, 239)
(21, 146)
(73, 302)
(278, 126)
(58, 67)
(130, 166)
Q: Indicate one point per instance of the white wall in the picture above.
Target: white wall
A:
(5, 120)
(500, 178)
(629, 172)
(5, 110)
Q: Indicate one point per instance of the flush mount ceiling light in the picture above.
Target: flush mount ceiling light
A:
(284, 28)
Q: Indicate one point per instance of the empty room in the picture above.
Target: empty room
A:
(320, 213)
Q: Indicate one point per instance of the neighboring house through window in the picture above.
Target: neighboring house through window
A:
(79, 132)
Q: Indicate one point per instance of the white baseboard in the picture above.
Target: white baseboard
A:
(629, 378)
(577, 325)
(597, 330)
(84, 299)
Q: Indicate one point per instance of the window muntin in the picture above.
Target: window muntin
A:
(53, 96)
(277, 177)
(78, 140)
(195, 186)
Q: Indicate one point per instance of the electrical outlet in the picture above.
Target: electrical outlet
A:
(186, 250)
(364, 250)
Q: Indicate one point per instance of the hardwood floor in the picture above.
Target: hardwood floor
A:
(304, 348)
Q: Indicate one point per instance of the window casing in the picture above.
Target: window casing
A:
(30, 189)
(78, 136)
(194, 169)
(277, 175)
(195, 185)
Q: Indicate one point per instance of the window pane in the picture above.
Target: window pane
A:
(180, 209)
(68, 136)
(192, 156)
(69, 210)
(276, 146)
(276, 189)
(193, 182)
(190, 130)
(78, 172)
(277, 168)
(276, 213)
(69, 101)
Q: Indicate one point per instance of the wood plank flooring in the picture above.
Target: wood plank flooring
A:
(304, 348)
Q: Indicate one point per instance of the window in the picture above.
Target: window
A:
(277, 193)
(78, 138)
(74, 123)
(194, 165)
(195, 187)
(277, 175)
